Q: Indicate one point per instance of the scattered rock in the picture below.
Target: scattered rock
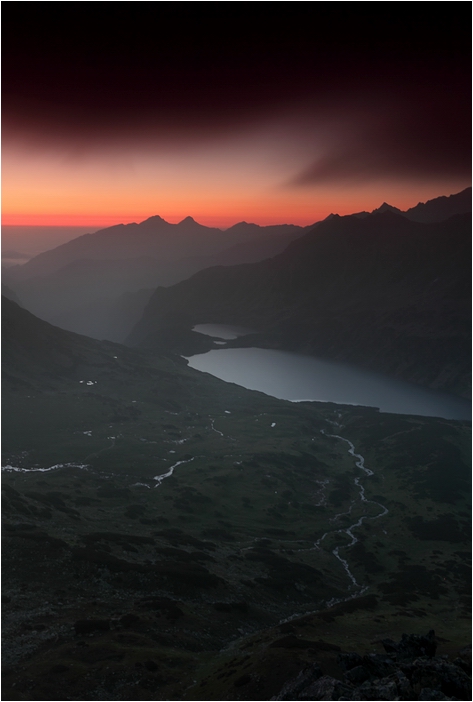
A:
(348, 661)
(302, 681)
(412, 646)
(408, 671)
(325, 688)
(379, 665)
(357, 675)
(427, 694)
(438, 674)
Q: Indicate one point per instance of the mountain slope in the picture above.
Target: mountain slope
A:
(154, 238)
(381, 291)
(441, 208)
(73, 284)
(159, 524)
(436, 210)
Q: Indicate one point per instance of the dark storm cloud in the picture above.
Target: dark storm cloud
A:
(104, 73)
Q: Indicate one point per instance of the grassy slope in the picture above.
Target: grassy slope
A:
(192, 577)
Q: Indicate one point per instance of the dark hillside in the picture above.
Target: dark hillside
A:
(170, 536)
(441, 207)
(78, 285)
(383, 292)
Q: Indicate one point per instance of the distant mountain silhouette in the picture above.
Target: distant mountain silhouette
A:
(73, 284)
(12, 255)
(387, 208)
(441, 208)
(79, 285)
(106, 318)
(33, 350)
(435, 210)
(154, 237)
(382, 291)
(10, 294)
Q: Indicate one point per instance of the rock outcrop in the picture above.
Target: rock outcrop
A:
(408, 670)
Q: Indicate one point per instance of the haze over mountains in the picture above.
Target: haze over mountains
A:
(76, 285)
(98, 284)
(170, 535)
(382, 292)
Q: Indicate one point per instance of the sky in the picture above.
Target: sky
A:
(263, 112)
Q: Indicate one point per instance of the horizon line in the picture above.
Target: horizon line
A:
(112, 222)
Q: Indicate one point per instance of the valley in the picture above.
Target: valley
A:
(381, 292)
(159, 524)
(236, 352)
(98, 284)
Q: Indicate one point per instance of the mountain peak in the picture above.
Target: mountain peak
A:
(385, 207)
(441, 208)
(188, 220)
(153, 221)
(243, 227)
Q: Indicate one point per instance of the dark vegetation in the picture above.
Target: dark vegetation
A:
(209, 585)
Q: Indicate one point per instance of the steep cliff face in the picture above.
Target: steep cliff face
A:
(381, 291)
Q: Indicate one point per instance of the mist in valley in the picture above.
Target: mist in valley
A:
(236, 353)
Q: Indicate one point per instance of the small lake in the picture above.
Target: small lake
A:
(221, 331)
(295, 377)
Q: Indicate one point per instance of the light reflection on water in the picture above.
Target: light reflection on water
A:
(295, 377)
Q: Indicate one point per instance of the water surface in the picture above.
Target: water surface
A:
(295, 377)
(221, 331)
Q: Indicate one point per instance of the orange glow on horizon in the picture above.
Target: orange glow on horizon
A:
(302, 208)
(61, 220)
(248, 177)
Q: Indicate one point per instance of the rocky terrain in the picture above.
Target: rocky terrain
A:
(170, 536)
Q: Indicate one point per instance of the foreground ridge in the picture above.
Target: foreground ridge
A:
(408, 671)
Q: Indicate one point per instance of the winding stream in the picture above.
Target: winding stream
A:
(15, 469)
(360, 463)
(159, 478)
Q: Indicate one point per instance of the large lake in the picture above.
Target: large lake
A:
(295, 377)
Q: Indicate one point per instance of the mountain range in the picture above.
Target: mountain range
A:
(435, 210)
(381, 291)
(80, 285)
(191, 539)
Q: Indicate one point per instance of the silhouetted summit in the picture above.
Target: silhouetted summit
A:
(382, 291)
(441, 207)
(387, 208)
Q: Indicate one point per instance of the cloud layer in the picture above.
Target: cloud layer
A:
(299, 101)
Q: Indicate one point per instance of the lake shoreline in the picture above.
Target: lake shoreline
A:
(291, 376)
